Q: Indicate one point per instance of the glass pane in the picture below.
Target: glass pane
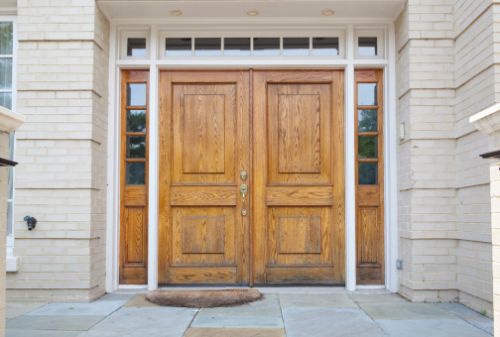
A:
(367, 46)
(6, 99)
(6, 38)
(325, 46)
(136, 94)
(266, 46)
(136, 47)
(367, 174)
(296, 46)
(207, 46)
(367, 147)
(135, 174)
(237, 46)
(6, 73)
(367, 120)
(136, 120)
(136, 147)
(367, 94)
(178, 46)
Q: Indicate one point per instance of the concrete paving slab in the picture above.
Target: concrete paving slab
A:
(265, 313)
(376, 298)
(41, 333)
(430, 328)
(139, 301)
(116, 297)
(141, 322)
(20, 308)
(54, 322)
(96, 308)
(316, 300)
(329, 322)
(405, 311)
(211, 332)
(472, 317)
(268, 306)
(207, 321)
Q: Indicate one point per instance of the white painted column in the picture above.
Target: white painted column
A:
(113, 172)
(391, 167)
(153, 165)
(350, 183)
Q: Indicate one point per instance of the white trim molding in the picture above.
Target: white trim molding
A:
(488, 120)
(154, 61)
(10, 121)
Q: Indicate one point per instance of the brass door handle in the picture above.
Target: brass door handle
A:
(243, 192)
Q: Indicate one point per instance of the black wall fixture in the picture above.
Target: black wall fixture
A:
(6, 162)
(31, 222)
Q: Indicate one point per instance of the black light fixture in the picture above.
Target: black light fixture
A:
(492, 154)
(30, 221)
(7, 163)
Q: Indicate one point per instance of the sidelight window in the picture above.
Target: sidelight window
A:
(135, 133)
(368, 128)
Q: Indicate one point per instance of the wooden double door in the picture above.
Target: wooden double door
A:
(251, 177)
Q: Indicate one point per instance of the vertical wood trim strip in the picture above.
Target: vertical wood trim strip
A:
(133, 196)
(370, 235)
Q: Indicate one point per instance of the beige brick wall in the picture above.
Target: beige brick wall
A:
(446, 73)
(4, 153)
(62, 91)
(426, 180)
(495, 202)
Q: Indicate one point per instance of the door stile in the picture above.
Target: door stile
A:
(165, 154)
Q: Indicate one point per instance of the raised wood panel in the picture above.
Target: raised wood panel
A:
(203, 196)
(299, 196)
(135, 248)
(203, 235)
(299, 235)
(203, 128)
(368, 226)
(204, 144)
(133, 198)
(370, 198)
(300, 275)
(203, 275)
(299, 133)
(204, 133)
(299, 136)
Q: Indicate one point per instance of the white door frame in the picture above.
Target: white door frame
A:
(349, 64)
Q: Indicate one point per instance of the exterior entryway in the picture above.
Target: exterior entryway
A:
(251, 181)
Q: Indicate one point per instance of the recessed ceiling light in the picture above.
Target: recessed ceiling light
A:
(176, 12)
(253, 13)
(327, 12)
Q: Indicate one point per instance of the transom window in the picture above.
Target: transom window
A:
(248, 46)
(238, 46)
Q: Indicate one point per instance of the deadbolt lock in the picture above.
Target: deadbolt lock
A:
(243, 175)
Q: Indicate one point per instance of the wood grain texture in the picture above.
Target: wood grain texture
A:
(298, 191)
(286, 129)
(133, 255)
(370, 267)
(204, 144)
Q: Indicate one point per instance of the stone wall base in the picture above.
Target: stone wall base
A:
(54, 295)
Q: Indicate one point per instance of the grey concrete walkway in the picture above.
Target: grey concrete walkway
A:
(291, 312)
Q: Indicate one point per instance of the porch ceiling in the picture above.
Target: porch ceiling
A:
(237, 9)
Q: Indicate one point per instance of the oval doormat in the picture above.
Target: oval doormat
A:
(203, 298)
